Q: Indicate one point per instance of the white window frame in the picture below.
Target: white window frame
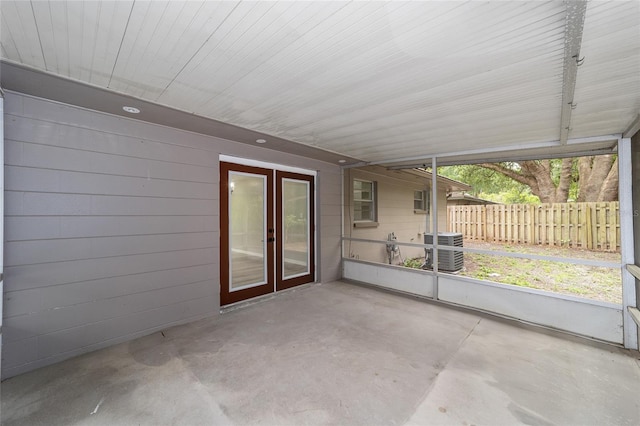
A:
(374, 202)
(426, 205)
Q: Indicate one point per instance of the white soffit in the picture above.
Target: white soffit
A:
(371, 80)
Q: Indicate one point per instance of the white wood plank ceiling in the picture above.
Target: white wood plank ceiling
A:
(376, 81)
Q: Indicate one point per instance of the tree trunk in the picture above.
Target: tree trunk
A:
(609, 188)
(537, 175)
(594, 173)
(562, 192)
(597, 178)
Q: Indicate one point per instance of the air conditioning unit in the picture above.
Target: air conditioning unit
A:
(448, 260)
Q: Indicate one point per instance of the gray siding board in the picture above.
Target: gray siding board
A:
(135, 225)
(128, 129)
(68, 159)
(21, 302)
(12, 152)
(12, 204)
(30, 228)
(40, 299)
(62, 344)
(20, 228)
(333, 183)
(22, 179)
(63, 204)
(46, 180)
(23, 352)
(149, 206)
(333, 200)
(14, 356)
(112, 228)
(48, 274)
(331, 223)
(70, 339)
(38, 131)
(52, 204)
(34, 252)
(58, 319)
(82, 118)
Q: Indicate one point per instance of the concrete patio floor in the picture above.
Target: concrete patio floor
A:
(337, 354)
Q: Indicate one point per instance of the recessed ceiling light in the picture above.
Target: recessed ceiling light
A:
(342, 161)
(131, 110)
(261, 141)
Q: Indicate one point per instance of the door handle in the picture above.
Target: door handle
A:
(270, 230)
(270, 239)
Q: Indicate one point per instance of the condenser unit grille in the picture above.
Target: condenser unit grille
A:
(448, 260)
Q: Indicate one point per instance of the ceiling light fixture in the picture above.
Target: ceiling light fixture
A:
(261, 141)
(342, 161)
(131, 110)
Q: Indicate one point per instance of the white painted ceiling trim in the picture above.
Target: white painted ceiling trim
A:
(266, 165)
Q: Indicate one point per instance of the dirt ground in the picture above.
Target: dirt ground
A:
(592, 282)
(597, 283)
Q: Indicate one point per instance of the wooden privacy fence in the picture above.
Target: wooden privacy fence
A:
(578, 225)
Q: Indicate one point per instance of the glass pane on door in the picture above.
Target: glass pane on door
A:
(247, 230)
(295, 226)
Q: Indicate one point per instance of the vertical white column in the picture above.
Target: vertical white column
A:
(630, 329)
(434, 221)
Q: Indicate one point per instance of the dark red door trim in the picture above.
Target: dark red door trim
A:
(227, 297)
(281, 283)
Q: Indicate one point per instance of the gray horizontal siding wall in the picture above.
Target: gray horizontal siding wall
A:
(112, 228)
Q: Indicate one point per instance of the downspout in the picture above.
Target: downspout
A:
(342, 204)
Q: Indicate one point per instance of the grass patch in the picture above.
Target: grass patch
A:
(591, 282)
(579, 280)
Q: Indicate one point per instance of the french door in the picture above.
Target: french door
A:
(266, 231)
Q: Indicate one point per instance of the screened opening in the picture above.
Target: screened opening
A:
(545, 224)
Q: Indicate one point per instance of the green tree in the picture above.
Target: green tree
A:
(592, 178)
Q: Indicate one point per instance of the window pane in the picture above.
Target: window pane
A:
(418, 200)
(296, 227)
(362, 190)
(363, 200)
(363, 210)
(247, 229)
(367, 211)
(357, 210)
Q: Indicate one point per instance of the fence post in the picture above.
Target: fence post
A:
(488, 219)
(589, 225)
(613, 227)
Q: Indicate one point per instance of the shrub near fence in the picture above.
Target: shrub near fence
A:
(579, 225)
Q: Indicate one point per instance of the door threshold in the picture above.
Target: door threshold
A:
(258, 299)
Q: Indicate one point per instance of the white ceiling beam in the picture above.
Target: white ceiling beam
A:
(632, 128)
(574, 24)
(487, 152)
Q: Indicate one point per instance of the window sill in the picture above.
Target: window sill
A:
(365, 224)
(416, 211)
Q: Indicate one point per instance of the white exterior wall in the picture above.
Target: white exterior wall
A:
(112, 228)
(395, 214)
